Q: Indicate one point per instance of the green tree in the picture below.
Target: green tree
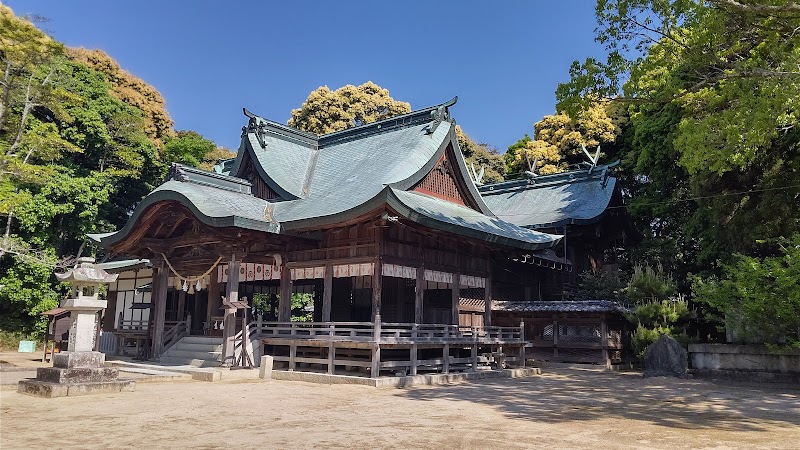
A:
(710, 155)
(326, 111)
(759, 298)
(481, 156)
(76, 155)
(659, 311)
(131, 90)
(189, 148)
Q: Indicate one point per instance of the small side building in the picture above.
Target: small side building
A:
(589, 331)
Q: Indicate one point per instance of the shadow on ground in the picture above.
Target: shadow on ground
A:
(578, 395)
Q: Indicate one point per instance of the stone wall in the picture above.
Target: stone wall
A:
(744, 361)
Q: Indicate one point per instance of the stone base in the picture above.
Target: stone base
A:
(71, 360)
(48, 389)
(77, 375)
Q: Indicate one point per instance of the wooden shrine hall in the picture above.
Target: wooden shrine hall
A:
(379, 225)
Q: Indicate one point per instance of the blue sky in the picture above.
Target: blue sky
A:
(210, 59)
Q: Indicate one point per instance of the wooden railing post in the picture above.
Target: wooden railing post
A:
(188, 324)
(376, 347)
(522, 343)
(446, 351)
(474, 354)
(331, 349)
(413, 349)
(604, 342)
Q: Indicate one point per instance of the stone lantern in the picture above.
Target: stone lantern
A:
(79, 370)
(84, 302)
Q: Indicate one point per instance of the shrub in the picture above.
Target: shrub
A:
(759, 297)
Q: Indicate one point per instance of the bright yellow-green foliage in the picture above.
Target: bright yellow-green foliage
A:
(559, 138)
(481, 156)
(131, 90)
(326, 111)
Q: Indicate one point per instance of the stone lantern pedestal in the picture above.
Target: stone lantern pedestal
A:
(80, 370)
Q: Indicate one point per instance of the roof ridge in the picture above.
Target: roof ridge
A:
(319, 140)
(379, 125)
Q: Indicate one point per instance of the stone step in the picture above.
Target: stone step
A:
(192, 354)
(188, 346)
(201, 340)
(168, 361)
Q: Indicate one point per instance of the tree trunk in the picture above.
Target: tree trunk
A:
(25, 111)
(7, 233)
(6, 93)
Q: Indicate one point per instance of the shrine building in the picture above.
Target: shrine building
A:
(377, 233)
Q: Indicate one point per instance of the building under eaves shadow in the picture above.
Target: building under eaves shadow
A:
(585, 207)
(379, 227)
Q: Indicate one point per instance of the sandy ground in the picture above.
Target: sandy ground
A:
(560, 409)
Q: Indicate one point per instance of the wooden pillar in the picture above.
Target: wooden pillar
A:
(159, 298)
(377, 288)
(213, 301)
(375, 370)
(555, 337)
(285, 299)
(522, 344)
(327, 293)
(474, 350)
(377, 277)
(419, 296)
(98, 328)
(456, 295)
(181, 305)
(487, 302)
(604, 341)
(229, 320)
(292, 355)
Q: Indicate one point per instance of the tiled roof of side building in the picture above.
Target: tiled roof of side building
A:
(599, 306)
(577, 197)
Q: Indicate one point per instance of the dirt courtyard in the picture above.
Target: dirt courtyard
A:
(560, 409)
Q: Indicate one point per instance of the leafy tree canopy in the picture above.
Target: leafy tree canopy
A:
(559, 137)
(326, 111)
(481, 156)
(80, 145)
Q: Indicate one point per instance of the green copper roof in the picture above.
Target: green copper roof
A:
(576, 197)
(446, 216)
(324, 180)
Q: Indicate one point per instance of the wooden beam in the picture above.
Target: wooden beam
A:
(164, 245)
